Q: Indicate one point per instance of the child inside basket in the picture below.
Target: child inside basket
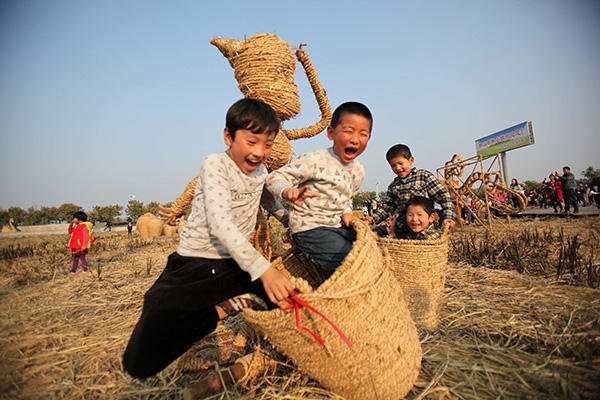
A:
(320, 185)
(214, 260)
(408, 183)
(420, 217)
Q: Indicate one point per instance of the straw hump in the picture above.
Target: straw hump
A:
(264, 68)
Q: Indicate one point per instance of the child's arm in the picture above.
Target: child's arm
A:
(85, 235)
(297, 195)
(388, 207)
(270, 203)
(276, 284)
(438, 193)
(214, 184)
(283, 182)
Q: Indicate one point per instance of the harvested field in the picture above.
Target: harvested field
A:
(512, 325)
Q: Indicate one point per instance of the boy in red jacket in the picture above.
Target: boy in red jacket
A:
(78, 240)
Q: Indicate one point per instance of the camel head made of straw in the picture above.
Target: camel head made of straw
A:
(264, 68)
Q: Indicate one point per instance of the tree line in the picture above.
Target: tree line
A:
(136, 208)
(64, 213)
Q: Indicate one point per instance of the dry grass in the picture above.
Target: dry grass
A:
(502, 334)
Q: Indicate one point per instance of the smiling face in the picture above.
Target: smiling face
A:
(417, 218)
(350, 136)
(248, 149)
(401, 165)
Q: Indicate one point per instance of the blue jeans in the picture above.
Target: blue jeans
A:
(325, 246)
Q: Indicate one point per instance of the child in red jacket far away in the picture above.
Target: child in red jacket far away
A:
(78, 240)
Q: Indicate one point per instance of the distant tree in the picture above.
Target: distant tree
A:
(106, 213)
(42, 216)
(382, 196)
(65, 211)
(591, 173)
(4, 217)
(531, 185)
(16, 213)
(361, 199)
(135, 209)
(153, 207)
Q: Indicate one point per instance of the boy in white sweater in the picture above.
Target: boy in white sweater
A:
(321, 185)
(214, 260)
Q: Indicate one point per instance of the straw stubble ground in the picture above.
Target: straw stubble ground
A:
(502, 334)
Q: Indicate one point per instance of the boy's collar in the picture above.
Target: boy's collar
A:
(337, 157)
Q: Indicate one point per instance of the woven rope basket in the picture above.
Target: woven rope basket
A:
(420, 268)
(365, 302)
(264, 68)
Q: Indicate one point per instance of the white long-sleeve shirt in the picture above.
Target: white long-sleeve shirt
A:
(324, 173)
(223, 215)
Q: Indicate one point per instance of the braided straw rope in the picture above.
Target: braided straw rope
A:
(320, 95)
(420, 268)
(365, 302)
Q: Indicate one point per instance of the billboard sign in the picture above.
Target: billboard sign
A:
(511, 138)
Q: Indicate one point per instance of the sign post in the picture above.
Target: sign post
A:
(508, 139)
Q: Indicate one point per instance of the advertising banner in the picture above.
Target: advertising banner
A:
(508, 139)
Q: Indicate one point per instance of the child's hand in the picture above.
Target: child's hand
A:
(297, 195)
(450, 222)
(389, 225)
(348, 218)
(276, 284)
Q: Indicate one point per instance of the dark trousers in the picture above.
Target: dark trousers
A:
(569, 195)
(179, 310)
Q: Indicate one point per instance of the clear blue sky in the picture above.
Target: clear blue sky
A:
(133, 92)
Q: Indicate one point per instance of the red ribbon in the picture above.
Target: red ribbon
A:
(296, 302)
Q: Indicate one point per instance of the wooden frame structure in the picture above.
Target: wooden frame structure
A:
(491, 198)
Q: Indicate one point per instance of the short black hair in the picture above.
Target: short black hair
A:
(252, 114)
(80, 215)
(567, 168)
(424, 202)
(351, 107)
(398, 150)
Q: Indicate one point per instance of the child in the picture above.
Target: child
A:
(214, 260)
(326, 180)
(410, 182)
(78, 241)
(419, 218)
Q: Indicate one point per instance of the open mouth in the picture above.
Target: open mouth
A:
(350, 152)
(252, 164)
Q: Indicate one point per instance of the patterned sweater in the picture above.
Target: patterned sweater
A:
(428, 234)
(419, 182)
(324, 173)
(223, 215)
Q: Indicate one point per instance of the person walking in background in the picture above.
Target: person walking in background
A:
(129, 227)
(580, 194)
(568, 188)
(108, 226)
(516, 186)
(556, 198)
(78, 241)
